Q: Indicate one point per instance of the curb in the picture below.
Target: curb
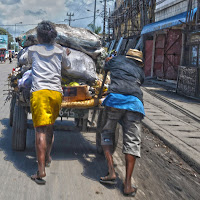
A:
(188, 154)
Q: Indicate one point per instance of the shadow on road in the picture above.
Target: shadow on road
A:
(68, 145)
(168, 92)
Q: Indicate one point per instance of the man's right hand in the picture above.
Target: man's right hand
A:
(108, 58)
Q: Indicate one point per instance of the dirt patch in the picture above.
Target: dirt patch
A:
(161, 174)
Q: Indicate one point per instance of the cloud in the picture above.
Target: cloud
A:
(9, 2)
(35, 13)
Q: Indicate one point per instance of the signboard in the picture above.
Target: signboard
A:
(3, 41)
(187, 81)
(194, 38)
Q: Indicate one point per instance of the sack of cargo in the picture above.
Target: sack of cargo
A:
(76, 93)
(76, 38)
(82, 67)
(26, 80)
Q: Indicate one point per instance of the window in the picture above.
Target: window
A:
(194, 55)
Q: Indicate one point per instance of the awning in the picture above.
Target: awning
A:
(166, 23)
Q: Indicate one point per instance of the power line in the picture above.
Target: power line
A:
(54, 22)
(18, 25)
(83, 18)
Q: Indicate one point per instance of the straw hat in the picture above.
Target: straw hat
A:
(135, 55)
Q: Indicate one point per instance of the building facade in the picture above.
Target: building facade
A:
(168, 33)
(129, 17)
(168, 8)
(174, 51)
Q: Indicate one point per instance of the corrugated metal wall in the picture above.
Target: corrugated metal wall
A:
(168, 54)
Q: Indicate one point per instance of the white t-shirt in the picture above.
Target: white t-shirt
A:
(47, 60)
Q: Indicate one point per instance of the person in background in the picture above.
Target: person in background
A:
(2, 55)
(124, 104)
(46, 59)
(10, 57)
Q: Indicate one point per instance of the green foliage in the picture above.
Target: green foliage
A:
(10, 38)
(96, 29)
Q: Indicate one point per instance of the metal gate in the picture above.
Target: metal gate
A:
(148, 57)
(168, 54)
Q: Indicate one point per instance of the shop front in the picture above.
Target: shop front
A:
(189, 74)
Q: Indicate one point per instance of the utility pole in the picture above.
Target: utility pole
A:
(95, 4)
(104, 22)
(70, 15)
(15, 36)
(109, 26)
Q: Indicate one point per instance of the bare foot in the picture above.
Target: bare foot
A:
(38, 178)
(129, 190)
(48, 162)
(109, 179)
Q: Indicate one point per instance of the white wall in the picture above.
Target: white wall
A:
(169, 8)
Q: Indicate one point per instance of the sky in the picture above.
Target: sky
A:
(31, 12)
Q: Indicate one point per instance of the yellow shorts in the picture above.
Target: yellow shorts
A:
(45, 107)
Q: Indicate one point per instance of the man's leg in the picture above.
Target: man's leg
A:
(131, 124)
(108, 155)
(130, 163)
(49, 140)
(113, 116)
(41, 148)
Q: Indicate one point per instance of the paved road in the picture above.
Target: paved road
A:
(75, 170)
(175, 120)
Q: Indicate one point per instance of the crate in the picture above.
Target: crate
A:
(76, 93)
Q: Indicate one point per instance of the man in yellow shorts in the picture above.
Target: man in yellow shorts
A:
(47, 59)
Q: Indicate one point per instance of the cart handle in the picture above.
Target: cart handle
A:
(104, 80)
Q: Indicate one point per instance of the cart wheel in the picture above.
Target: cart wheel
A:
(84, 125)
(12, 106)
(19, 128)
(100, 124)
(76, 121)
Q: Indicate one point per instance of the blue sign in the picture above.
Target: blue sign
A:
(3, 41)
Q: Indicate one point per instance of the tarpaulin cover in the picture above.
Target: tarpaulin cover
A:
(82, 67)
(80, 39)
(166, 23)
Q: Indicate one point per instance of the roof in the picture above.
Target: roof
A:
(167, 23)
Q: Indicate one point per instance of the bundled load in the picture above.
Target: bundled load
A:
(82, 67)
(26, 80)
(86, 57)
(81, 104)
(79, 39)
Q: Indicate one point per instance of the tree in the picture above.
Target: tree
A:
(96, 29)
(10, 37)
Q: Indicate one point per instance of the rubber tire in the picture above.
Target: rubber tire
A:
(12, 106)
(19, 128)
(102, 118)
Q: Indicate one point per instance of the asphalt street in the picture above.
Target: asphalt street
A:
(76, 167)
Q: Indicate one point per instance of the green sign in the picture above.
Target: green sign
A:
(4, 41)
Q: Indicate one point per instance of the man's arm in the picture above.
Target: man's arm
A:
(108, 63)
(142, 74)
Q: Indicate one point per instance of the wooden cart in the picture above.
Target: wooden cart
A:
(20, 107)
